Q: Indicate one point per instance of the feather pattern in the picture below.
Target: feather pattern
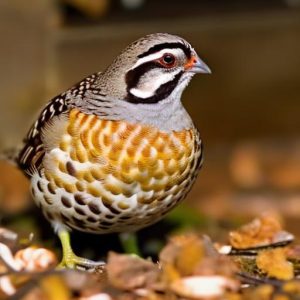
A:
(104, 176)
(31, 155)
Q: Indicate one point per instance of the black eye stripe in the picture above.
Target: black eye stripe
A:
(133, 76)
(187, 51)
(160, 94)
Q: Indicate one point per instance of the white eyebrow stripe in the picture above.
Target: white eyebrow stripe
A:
(176, 52)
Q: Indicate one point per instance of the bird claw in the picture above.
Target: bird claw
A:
(82, 264)
(71, 261)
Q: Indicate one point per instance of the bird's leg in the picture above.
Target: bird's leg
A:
(70, 259)
(129, 243)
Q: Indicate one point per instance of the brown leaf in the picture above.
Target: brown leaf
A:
(129, 272)
(293, 252)
(262, 292)
(181, 256)
(262, 231)
(54, 288)
(220, 265)
(85, 284)
(274, 263)
(292, 287)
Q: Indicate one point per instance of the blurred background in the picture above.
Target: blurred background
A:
(247, 110)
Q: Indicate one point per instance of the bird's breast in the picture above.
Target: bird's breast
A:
(119, 166)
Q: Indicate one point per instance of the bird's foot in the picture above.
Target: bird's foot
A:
(72, 261)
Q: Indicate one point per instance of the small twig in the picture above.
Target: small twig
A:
(254, 250)
(252, 280)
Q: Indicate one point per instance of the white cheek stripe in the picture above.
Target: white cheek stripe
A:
(176, 52)
(141, 94)
(148, 90)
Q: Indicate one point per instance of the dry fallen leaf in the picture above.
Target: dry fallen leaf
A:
(274, 263)
(190, 267)
(293, 252)
(217, 265)
(181, 255)
(292, 287)
(203, 286)
(262, 292)
(35, 259)
(54, 288)
(128, 272)
(263, 231)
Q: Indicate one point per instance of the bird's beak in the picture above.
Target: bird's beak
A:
(196, 65)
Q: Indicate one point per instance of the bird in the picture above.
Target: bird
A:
(117, 151)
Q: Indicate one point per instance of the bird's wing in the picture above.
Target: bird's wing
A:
(30, 157)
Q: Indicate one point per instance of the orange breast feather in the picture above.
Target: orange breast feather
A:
(125, 158)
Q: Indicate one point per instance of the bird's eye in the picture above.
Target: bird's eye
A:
(168, 60)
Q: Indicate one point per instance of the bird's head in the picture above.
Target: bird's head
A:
(154, 68)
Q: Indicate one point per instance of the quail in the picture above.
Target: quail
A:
(118, 150)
